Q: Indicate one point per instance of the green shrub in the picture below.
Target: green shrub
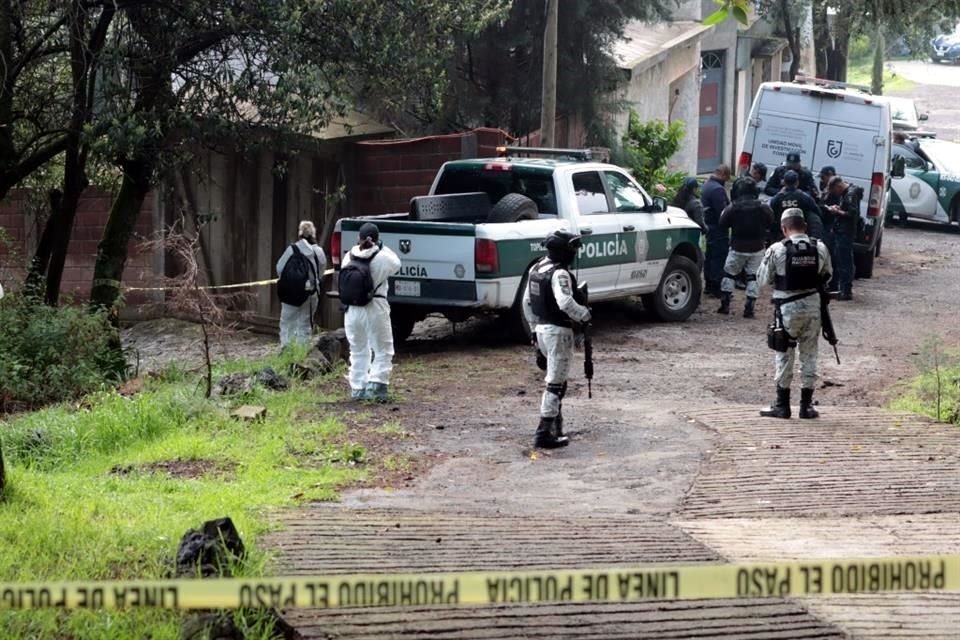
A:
(936, 391)
(51, 354)
(647, 149)
(860, 50)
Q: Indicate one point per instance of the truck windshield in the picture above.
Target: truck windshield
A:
(538, 186)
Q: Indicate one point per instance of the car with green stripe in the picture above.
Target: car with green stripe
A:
(466, 247)
(930, 188)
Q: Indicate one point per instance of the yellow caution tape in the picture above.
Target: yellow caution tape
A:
(624, 584)
(239, 285)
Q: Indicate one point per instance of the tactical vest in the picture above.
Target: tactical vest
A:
(801, 268)
(542, 300)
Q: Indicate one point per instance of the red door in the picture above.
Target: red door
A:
(710, 140)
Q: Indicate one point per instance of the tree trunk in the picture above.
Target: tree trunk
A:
(548, 102)
(112, 252)
(838, 57)
(793, 38)
(876, 80)
(822, 40)
(41, 259)
(74, 183)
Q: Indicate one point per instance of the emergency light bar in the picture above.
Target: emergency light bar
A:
(831, 84)
(580, 155)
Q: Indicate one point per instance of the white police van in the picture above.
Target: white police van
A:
(829, 124)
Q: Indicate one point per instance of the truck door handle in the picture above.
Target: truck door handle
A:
(629, 227)
(585, 231)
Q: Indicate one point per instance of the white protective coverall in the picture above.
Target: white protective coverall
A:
(296, 323)
(554, 341)
(368, 327)
(801, 318)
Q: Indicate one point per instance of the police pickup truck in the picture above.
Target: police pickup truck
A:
(467, 246)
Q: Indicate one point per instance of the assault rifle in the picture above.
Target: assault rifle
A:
(826, 322)
(584, 298)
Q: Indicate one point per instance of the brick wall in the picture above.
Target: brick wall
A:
(389, 173)
(92, 214)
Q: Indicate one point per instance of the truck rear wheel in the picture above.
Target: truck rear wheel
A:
(402, 323)
(863, 264)
(518, 327)
(678, 294)
(513, 207)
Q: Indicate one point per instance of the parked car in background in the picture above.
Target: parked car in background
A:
(946, 48)
(930, 190)
(905, 115)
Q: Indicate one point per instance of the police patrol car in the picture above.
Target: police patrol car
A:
(467, 246)
(930, 190)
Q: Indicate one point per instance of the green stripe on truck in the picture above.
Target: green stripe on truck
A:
(411, 228)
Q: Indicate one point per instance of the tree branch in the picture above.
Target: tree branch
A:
(31, 53)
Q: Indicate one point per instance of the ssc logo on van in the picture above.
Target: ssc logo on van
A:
(834, 148)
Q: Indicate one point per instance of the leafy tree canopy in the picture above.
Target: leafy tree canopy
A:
(495, 75)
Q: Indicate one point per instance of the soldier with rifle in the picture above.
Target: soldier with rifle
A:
(798, 268)
(554, 306)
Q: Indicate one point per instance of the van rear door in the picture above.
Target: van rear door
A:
(785, 123)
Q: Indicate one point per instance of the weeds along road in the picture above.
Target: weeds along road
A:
(668, 461)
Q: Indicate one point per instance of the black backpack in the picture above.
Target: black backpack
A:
(355, 282)
(292, 285)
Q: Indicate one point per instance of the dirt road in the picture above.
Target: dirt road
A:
(935, 93)
(671, 445)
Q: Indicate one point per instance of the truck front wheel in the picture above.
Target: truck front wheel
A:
(678, 294)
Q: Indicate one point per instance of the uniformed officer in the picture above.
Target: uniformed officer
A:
(826, 172)
(796, 267)
(715, 200)
(749, 221)
(843, 203)
(791, 196)
(792, 163)
(551, 305)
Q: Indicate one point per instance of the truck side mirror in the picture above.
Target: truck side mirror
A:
(923, 116)
(899, 167)
(659, 204)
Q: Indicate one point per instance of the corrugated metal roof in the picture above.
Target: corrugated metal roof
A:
(644, 40)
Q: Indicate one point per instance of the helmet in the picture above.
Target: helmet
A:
(562, 246)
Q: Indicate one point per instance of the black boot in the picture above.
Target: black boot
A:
(725, 303)
(781, 409)
(558, 424)
(807, 411)
(546, 437)
(748, 308)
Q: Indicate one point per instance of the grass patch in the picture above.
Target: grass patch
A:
(70, 514)
(862, 73)
(935, 392)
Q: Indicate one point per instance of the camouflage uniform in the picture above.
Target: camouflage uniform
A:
(801, 318)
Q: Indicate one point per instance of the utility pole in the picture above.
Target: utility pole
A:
(548, 102)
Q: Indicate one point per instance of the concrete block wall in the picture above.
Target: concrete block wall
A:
(92, 214)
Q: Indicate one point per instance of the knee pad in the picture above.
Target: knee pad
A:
(751, 277)
(730, 275)
(563, 391)
(556, 388)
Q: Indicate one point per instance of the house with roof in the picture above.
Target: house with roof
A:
(703, 76)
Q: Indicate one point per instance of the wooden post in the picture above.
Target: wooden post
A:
(548, 107)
